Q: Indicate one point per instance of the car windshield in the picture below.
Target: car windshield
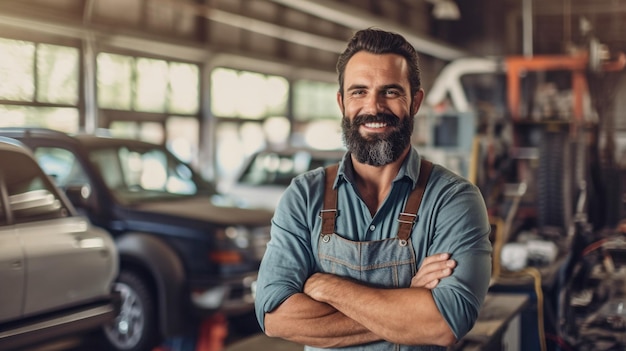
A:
(272, 168)
(137, 174)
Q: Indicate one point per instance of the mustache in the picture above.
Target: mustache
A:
(388, 118)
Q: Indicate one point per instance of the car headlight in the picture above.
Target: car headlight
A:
(240, 236)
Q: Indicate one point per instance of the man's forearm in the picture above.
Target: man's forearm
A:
(405, 316)
(306, 321)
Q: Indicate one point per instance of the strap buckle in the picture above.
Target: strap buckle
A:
(407, 220)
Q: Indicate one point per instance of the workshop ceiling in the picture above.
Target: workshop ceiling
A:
(309, 34)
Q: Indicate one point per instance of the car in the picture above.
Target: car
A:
(57, 270)
(266, 174)
(184, 253)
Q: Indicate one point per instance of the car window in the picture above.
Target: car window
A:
(31, 195)
(62, 166)
(270, 168)
(135, 174)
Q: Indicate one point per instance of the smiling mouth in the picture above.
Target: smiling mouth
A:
(375, 125)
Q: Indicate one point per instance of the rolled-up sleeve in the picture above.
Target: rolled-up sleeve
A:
(462, 229)
(288, 260)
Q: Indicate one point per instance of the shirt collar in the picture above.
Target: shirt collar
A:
(410, 169)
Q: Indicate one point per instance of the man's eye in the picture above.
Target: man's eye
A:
(392, 93)
(358, 92)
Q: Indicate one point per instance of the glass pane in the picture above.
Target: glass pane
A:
(184, 88)
(126, 130)
(264, 95)
(145, 131)
(323, 134)
(151, 85)
(151, 132)
(253, 89)
(315, 100)
(277, 96)
(277, 130)
(229, 150)
(64, 119)
(224, 92)
(183, 138)
(138, 173)
(31, 196)
(57, 74)
(114, 81)
(62, 166)
(16, 70)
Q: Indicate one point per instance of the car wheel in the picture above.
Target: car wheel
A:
(135, 327)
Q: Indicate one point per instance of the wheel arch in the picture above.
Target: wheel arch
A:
(160, 264)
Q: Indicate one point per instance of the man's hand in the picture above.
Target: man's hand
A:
(317, 283)
(433, 269)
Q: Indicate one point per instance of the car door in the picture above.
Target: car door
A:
(66, 257)
(11, 260)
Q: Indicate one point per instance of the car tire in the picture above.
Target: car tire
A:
(135, 327)
(555, 181)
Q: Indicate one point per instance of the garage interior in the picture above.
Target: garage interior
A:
(524, 98)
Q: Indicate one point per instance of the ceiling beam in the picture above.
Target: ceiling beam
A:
(547, 8)
(258, 26)
(351, 17)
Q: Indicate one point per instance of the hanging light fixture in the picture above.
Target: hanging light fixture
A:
(445, 10)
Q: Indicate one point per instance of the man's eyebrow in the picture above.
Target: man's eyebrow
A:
(392, 86)
(384, 87)
(356, 86)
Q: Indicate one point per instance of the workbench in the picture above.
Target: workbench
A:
(494, 318)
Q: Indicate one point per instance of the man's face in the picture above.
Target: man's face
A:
(377, 108)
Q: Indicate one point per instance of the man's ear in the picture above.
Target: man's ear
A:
(340, 102)
(417, 101)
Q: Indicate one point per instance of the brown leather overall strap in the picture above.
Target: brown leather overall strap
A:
(407, 218)
(329, 211)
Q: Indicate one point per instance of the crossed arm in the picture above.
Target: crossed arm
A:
(336, 312)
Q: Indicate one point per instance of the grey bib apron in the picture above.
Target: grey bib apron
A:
(388, 263)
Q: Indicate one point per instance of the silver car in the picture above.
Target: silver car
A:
(267, 173)
(56, 270)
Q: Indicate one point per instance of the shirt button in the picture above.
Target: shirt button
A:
(372, 227)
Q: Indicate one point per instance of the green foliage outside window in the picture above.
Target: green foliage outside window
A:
(147, 85)
(16, 70)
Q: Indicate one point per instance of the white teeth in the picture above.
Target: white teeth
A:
(376, 125)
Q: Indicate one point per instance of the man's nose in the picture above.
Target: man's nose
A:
(374, 104)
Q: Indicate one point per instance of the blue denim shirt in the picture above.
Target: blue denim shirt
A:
(452, 218)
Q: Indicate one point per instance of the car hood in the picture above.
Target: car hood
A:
(201, 208)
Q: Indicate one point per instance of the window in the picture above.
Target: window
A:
(252, 113)
(315, 100)
(41, 82)
(115, 81)
(248, 95)
(146, 131)
(62, 166)
(317, 115)
(147, 85)
(143, 173)
(31, 195)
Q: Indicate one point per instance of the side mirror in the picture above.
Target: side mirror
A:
(78, 195)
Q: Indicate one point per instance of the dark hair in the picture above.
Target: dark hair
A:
(377, 41)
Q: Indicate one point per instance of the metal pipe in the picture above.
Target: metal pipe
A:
(527, 24)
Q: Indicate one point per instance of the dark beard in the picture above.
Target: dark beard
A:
(377, 149)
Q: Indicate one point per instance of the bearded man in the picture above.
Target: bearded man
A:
(384, 251)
